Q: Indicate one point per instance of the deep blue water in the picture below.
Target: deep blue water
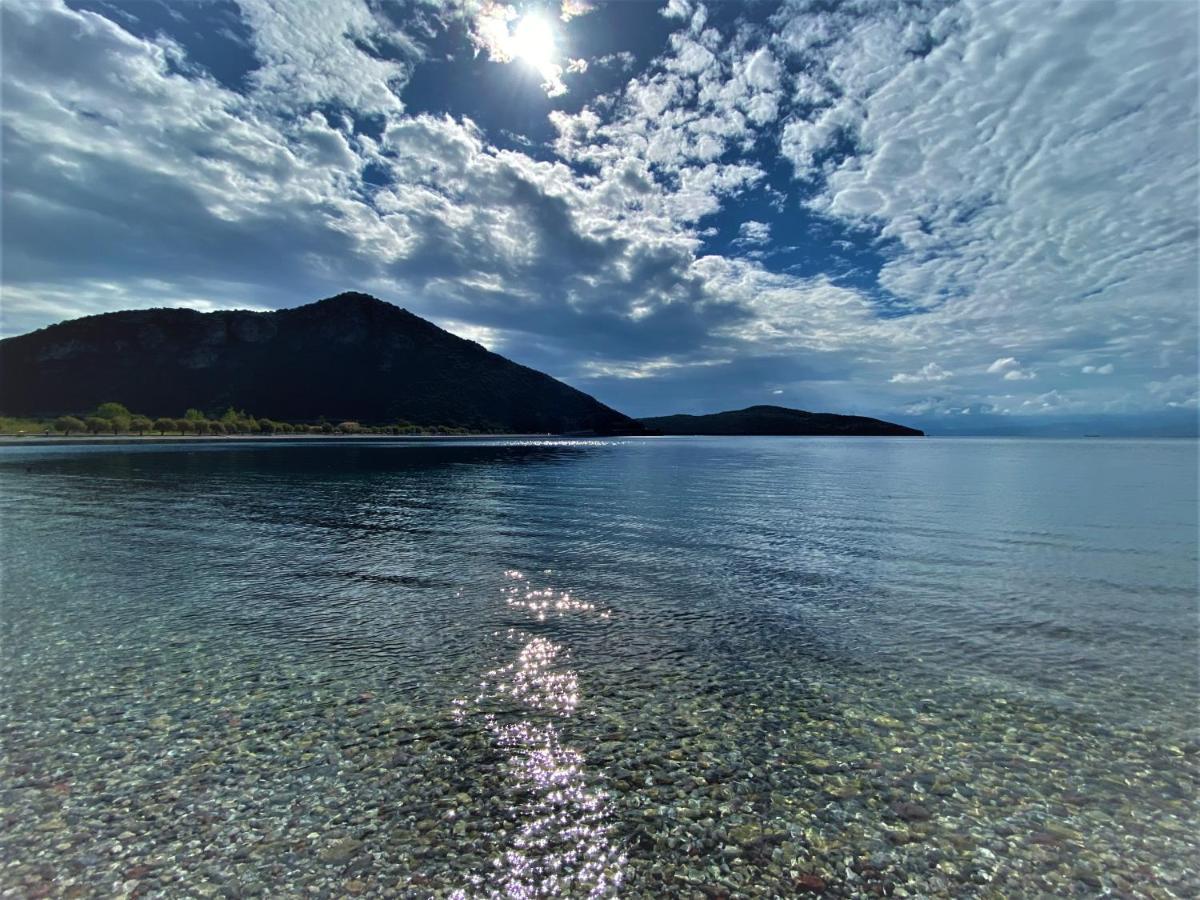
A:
(944, 596)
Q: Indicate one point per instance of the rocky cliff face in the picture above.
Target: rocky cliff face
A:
(348, 357)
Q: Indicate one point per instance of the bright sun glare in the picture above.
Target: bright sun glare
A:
(533, 41)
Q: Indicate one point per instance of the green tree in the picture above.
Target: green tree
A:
(219, 428)
(163, 425)
(266, 426)
(140, 424)
(183, 426)
(95, 424)
(349, 428)
(200, 426)
(326, 428)
(194, 415)
(112, 411)
(67, 424)
(115, 414)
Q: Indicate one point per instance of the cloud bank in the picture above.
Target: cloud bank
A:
(940, 211)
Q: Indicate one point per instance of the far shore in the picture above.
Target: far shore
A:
(46, 440)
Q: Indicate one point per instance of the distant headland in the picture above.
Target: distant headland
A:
(777, 420)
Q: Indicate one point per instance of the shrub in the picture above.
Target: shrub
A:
(67, 424)
(349, 428)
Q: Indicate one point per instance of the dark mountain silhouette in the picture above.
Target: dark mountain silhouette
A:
(348, 357)
(777, 420)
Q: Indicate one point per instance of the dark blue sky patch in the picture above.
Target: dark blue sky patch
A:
(213, 33)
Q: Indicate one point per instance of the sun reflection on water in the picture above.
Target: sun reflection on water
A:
(563, 843)
(546, 601)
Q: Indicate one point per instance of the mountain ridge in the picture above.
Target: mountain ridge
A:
(351, 356)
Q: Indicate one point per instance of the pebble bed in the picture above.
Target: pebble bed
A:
(168, 763)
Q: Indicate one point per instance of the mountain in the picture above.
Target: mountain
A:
(349, 357)
(777, 420)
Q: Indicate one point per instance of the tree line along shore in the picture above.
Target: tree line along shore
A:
(115, 418)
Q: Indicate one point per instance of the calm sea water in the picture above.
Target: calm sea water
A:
(653, 667)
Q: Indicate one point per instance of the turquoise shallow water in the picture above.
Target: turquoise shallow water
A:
(684, 667)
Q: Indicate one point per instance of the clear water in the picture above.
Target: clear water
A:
(656, 667)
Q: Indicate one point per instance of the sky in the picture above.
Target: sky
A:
(971, 217)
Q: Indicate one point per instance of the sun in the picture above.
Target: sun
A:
(533, 41)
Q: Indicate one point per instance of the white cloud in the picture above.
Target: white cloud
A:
(1027, 180)
(317, 58)
(762, 71)
(1011, 369)
(752, 233)
(1022, 181)
(928, 372)
(1176, 392)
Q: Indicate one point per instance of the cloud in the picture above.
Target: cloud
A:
(1016, 185)
(1176, 392)
(753, 234)
(1010, 369)
(337, 52)
(929, 372)
(953, 180)
(572, 8)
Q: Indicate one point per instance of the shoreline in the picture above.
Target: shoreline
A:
(9, 440)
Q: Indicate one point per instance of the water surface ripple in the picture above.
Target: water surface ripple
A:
(642, 668)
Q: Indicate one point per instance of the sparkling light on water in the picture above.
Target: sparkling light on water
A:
(563, 844)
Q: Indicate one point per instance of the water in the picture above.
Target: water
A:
(657, 667)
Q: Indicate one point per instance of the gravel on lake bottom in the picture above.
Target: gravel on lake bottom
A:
(183, 765)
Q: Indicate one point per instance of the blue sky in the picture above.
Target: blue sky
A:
(969, 216)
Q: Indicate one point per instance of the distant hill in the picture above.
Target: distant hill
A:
(777, 420)
(347, 357)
